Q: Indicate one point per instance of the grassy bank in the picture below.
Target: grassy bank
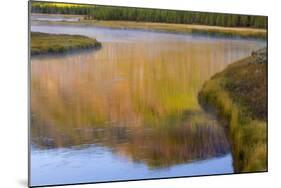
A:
(43, 43)
(171, 27)
(239, 96)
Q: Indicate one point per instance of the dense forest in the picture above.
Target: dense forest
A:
(151, 15)
(60, 8)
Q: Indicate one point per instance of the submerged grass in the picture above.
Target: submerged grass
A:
(239, 96)
(43, 43)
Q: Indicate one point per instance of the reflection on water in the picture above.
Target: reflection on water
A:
(55, 18)
(84, 165)
(137, 97)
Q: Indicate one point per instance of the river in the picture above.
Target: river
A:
(128, 110)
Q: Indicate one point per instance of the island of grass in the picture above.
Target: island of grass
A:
(43, 43)
(238, 95)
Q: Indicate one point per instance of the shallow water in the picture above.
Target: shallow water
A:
(55, 18)
(130, 109)
(74, 165)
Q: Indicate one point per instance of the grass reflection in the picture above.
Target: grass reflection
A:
(141, 102)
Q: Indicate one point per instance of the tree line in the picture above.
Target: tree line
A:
(174, 16)
(60, 8)
(153, 15)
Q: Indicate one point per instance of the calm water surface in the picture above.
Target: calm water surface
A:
(56, 17)
(130, 109)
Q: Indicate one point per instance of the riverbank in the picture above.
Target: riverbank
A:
(167, 27)
(238, 95)
(43, 43)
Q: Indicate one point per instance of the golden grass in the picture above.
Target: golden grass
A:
(247, 126)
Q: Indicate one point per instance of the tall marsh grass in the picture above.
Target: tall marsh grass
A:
(248, 134)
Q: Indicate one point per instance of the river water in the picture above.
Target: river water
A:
(128, 110)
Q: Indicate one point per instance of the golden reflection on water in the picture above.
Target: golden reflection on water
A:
(140, 99)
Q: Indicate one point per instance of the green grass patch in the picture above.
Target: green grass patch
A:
(43, 43)
(238, 95)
